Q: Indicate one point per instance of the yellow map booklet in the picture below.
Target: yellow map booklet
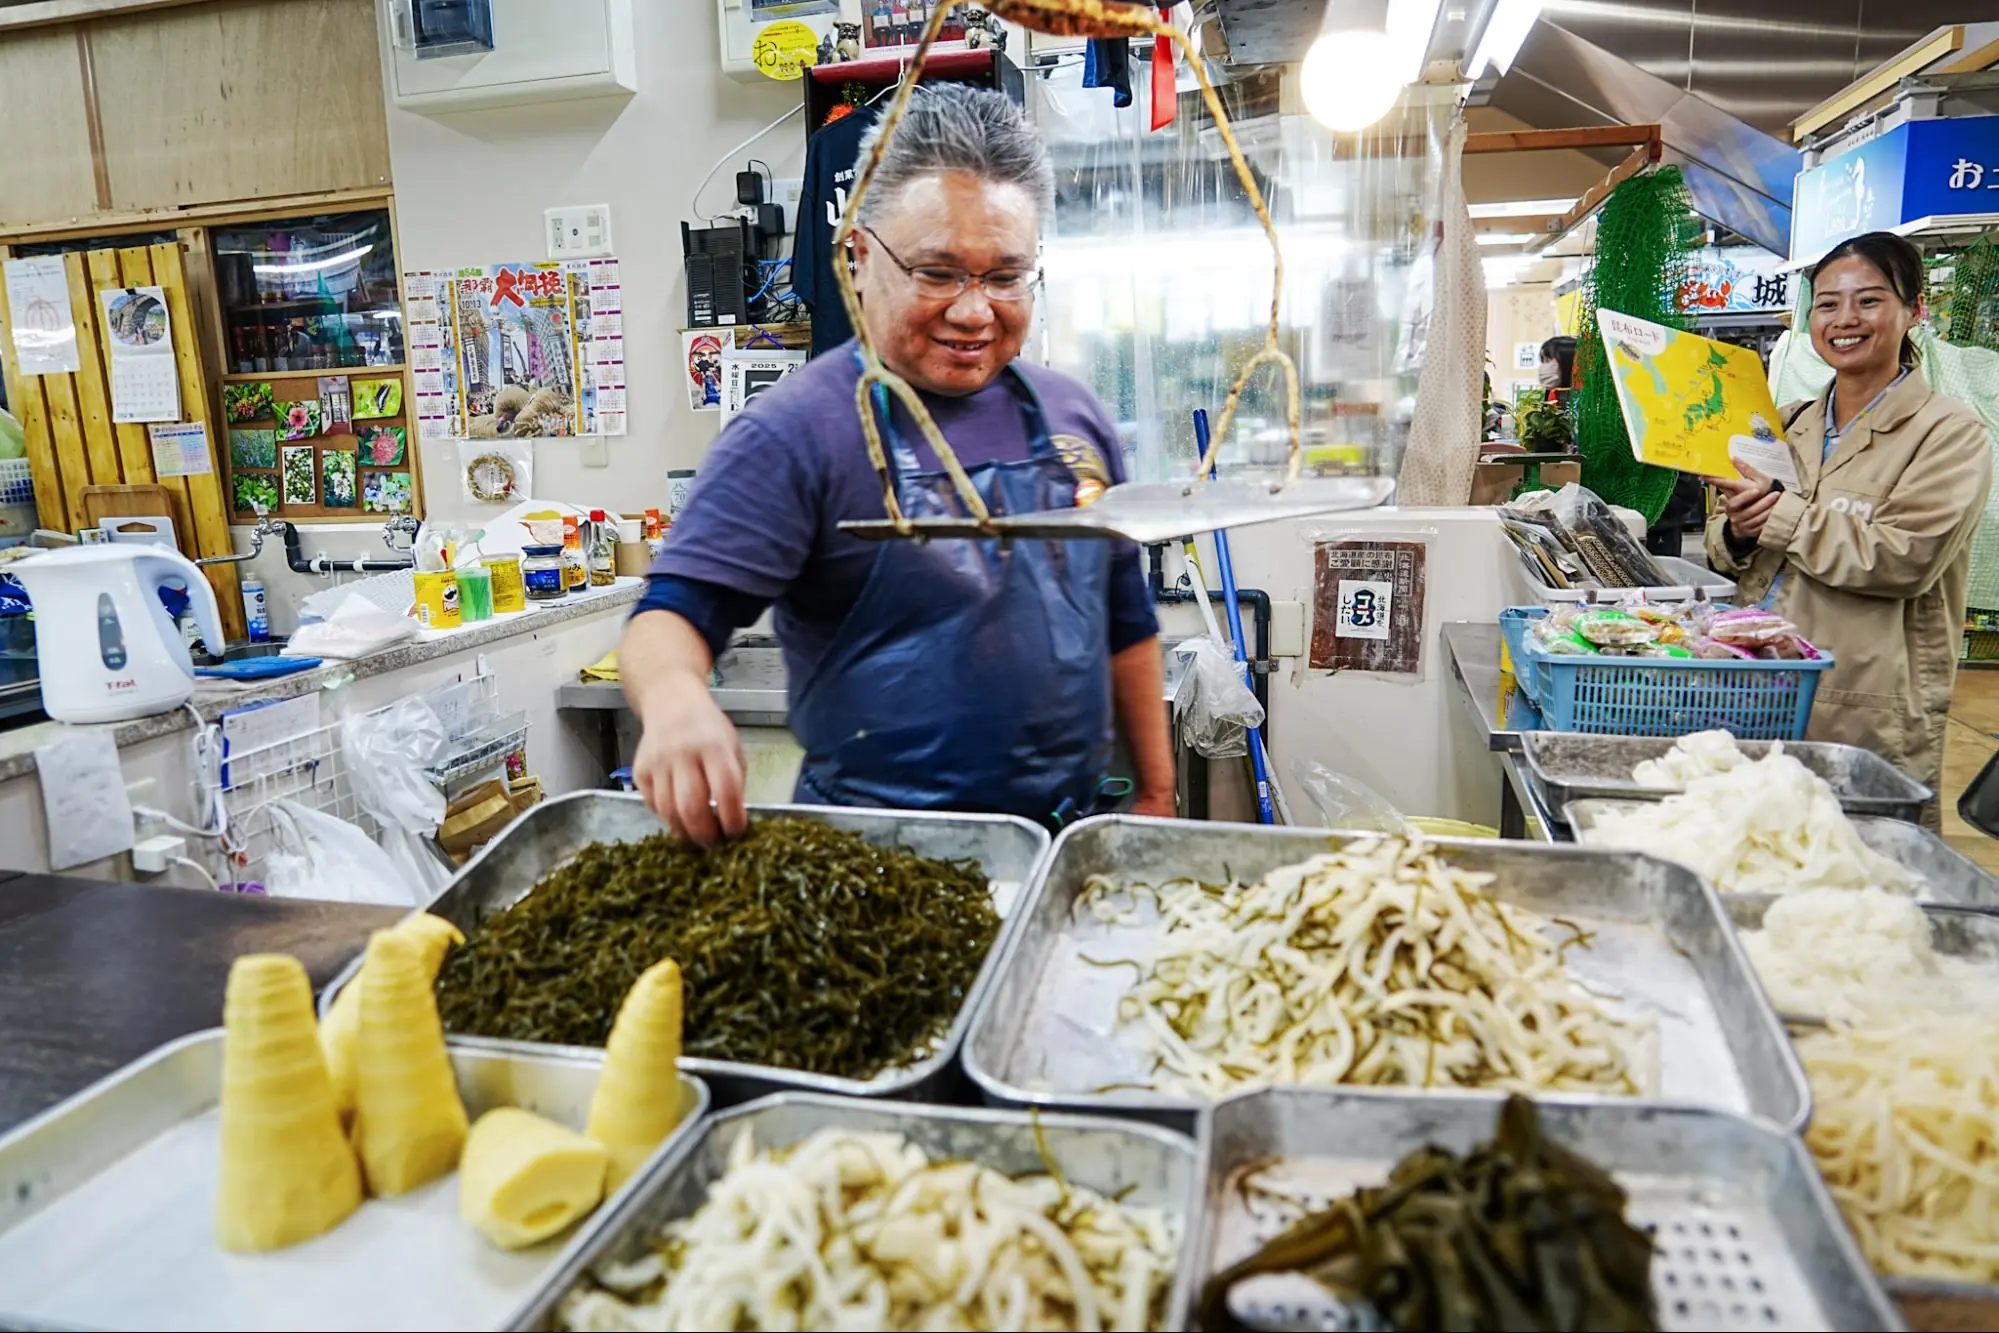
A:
(1693, 404)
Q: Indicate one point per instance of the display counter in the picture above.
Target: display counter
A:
(1502, 713)
(530, 655)
(94, 975)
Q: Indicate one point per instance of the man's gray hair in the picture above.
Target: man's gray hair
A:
(957, 127)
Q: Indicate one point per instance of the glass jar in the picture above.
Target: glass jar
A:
(543, 574)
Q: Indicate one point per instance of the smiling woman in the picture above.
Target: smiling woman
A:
(1870, 554)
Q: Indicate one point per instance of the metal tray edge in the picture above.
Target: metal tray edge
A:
(667, 1164)
(1173, 1110)
(912, 1077)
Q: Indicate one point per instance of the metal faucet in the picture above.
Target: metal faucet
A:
(407, 525)
(266, 527)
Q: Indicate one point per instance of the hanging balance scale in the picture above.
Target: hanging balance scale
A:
(1134, 511)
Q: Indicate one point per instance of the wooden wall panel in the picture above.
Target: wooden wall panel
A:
(240, 100)
(46, 165)
(203, 490)
(135, 450)
(93, 390)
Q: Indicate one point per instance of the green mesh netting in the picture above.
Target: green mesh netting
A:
(1642, 258)
(1973, 317)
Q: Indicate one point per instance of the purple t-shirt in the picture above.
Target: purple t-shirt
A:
(763, 519)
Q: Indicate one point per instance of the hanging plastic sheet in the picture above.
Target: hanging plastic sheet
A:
(1159, 273)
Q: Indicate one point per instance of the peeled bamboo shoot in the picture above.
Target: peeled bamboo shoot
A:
(637, 1102)
(287, 1172)
(408, 1122)
(433, 936)
(523, 1178)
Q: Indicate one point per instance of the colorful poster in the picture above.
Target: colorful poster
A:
(338, 479)
(1691, 403)
(145, 381)
(297, 421)
(386, 492)
(383, 446)
(181, 450)
(39, 318)
(377, 398)
(247, 402)
(702, 351)
(516, 354)
(253, 448)
(336, 405)
(255, 490)
(301, 486)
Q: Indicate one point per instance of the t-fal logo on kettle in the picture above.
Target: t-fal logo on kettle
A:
(129, 683)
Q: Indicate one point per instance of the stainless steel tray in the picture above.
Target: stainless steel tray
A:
(1139, 1164)
(1046, 1033)
(1747, 1234)
(1952, 876)
(107, 1213)
(1009, 851)
(1567, 767)
(1960, 932)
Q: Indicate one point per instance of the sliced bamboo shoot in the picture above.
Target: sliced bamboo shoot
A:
(523, 1178)
(409, 1124)
(637, 1102)
(434, 937)
(287, 1172)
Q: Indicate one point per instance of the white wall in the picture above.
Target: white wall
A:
(470, 189)
(1410, 738)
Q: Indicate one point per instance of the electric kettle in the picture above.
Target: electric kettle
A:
(106, 647)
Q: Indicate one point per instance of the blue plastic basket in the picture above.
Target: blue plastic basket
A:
(1648, 696)
(1513, 623)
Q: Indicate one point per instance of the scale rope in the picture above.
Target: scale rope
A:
(1061, 18)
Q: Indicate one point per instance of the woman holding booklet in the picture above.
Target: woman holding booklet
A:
(1869, 552)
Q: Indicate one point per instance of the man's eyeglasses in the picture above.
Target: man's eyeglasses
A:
(941, 282)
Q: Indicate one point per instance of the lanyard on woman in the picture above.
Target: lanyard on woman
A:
(1835, 434)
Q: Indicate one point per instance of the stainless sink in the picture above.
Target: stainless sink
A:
(237, 652)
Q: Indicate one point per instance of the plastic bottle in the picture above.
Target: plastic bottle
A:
(256, 612)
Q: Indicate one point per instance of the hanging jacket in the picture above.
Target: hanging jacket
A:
(1875, 547)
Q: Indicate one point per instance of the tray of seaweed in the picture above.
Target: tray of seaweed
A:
(1329, 1208)
(832, 950)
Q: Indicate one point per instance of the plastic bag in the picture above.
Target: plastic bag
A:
(315, 855)
(387, 752)
(356, 628)
(1215, 709)
(1348, 803)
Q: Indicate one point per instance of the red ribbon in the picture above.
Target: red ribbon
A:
(1165, 96)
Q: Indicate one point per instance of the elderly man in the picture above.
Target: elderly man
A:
(965, 676)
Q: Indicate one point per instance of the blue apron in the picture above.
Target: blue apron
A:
(970, 675)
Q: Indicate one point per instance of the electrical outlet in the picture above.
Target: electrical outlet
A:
(579, 231)
(788, 191)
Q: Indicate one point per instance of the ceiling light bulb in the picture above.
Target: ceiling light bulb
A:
(1350, 79)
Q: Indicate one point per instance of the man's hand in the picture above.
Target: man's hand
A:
(1748, 502)
(688, 757)
(1160, 804)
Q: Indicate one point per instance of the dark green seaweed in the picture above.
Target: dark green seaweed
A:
(802, 946)
(1520, 1233)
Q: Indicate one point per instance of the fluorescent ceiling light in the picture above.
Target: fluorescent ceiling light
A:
(315, 266)
(1523, 208)
(1366, 53)
(1504, 33)
(1507, 237)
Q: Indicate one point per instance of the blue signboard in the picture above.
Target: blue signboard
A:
(1924, 168)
